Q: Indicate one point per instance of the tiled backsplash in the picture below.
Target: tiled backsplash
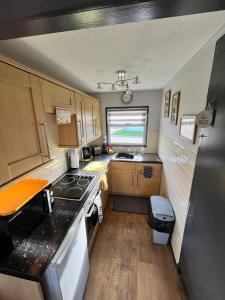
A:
(176, 181)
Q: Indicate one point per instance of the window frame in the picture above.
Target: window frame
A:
(122, 108)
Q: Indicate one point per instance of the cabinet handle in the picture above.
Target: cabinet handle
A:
(46, 139)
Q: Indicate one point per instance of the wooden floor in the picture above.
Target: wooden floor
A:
(125, 265)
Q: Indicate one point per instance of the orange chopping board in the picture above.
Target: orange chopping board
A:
(17, 195)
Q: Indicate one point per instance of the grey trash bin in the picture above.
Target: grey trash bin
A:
(161, 219)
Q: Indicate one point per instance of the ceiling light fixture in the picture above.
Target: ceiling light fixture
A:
(121, 82)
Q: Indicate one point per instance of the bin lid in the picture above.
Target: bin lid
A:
(161, 206)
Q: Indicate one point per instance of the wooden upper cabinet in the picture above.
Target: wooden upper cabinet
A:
(97, 118)
(55, 95)
(83, 128)
(89, 120)
(74, 134)
(23, 144)
(24, 99)
(80, 116)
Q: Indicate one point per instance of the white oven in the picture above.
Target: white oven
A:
(91, 213)
(66, 276)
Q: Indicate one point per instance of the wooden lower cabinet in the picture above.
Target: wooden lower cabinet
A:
(148, 186)
(128, 179)
(122, 181)
(122, 176)
(13, 288)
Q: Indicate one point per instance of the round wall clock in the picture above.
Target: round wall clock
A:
(126, 97)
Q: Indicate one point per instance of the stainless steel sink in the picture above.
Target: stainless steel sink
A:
(124, 155)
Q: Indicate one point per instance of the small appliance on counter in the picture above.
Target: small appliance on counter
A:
(97, 150)
(73, 158)
(87, 153)
(23, 206)
(107, 149)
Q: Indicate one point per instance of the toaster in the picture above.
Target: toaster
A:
(97, 150)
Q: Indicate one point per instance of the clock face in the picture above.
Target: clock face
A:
(127, 97)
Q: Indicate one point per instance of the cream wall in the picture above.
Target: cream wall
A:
(140, 98)
(177, 154)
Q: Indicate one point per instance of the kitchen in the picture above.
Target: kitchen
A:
(89, 141)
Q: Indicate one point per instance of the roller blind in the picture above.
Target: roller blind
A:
(127, 126)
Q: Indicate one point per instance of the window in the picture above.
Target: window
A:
(127, 126)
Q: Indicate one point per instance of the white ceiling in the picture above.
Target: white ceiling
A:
(154, 50)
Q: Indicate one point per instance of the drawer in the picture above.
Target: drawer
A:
(122, 165)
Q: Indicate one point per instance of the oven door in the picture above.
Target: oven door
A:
(66, 276)
(91, 218)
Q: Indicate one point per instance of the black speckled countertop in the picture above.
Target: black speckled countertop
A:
(32, 257)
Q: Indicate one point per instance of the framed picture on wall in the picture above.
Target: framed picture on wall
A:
(175, 107)
(188, 128)
(167, 104)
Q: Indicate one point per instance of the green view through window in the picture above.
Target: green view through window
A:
(127, 126)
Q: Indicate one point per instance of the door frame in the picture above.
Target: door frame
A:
(27, 18)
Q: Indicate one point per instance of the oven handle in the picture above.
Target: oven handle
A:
(87, 215)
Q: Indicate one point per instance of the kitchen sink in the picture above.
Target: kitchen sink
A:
(124, 155)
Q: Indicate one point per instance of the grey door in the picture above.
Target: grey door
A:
(203, 251)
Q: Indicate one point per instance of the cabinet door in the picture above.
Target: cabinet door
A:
(55, 95)
(23, 144)
(79, 109)
(97, 118)
(148, 186)
(122, 181)
(89, 124)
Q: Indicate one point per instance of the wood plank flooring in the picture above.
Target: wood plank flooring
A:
(125, 265)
